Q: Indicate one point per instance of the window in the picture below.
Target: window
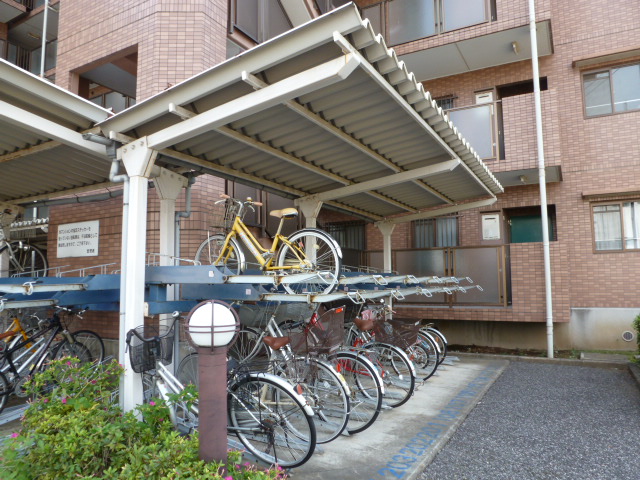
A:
(435, 232)
(616, 226)
(259, 20)
(402, 21)
(446, 103)
(615, 90)
(347, 234)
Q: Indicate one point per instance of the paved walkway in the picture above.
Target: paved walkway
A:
(405, 439)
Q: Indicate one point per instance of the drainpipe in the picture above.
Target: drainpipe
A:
(542, 176)
(44, 38)
(176, 246)
(114, 177)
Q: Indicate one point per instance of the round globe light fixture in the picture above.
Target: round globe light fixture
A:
(212, 323)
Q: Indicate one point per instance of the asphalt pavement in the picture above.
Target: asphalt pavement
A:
(550, 421)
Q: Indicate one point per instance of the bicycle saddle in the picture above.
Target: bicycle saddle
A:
(276, 343)
(285, 212)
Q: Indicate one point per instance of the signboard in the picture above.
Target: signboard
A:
(491, 226)
(78, 239)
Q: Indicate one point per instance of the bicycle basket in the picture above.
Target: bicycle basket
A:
(148, 344)
(400, 332)
(323, 334)
(222, 215)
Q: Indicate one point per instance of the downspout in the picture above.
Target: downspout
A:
(542, 177)
(43, 53)
(176, 253)
(114, 177)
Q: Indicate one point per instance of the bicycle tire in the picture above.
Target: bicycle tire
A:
(64, 349)
(187, 372)
(427, 369)
(243, 346)
(327, 259)
(20, 261)
(365, 387)
(441, 342)
(93, 342)
(270, 420)
(326, 393)
(397, 372)
(209, 251)
(5, 391)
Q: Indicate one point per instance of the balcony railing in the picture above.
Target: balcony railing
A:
(486, 266)
(479, 126)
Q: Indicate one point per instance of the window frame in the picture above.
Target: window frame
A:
(620, 204)
(434, 221)
(608, 69)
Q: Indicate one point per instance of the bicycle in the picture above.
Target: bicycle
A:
(308, 250)
(24, 258)
(317, 381)
(396, 368)
(439, 340)
(20, 363)
(265, 413)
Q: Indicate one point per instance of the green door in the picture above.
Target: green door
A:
(527, 228)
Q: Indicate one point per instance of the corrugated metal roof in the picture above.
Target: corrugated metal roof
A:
(375, 122)
(278, 116)
(41, 148)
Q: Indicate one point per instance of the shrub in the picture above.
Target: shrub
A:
(74, 430)
(636, 326)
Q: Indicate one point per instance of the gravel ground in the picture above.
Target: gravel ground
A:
(547, 421)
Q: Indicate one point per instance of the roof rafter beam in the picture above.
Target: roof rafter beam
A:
(401, 177)
(440, 211)
(41, 126)
(313, 117)
(380, 80)
(212, 168)
(24, 152)
(298, 84)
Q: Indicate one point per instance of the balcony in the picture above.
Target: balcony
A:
(511, 151)
(11, 9)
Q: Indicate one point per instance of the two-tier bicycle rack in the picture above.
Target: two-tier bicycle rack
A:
(101, 292)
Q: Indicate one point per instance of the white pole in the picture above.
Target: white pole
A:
(542, 176)
(44, 38)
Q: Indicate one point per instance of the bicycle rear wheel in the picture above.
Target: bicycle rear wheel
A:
(311, 251)
(187, 373)
(325, 391)
(209, 251)
(26, 259)
(397, 372)
(5, 391)
(426, 369)
(365, 387)
(271, 422)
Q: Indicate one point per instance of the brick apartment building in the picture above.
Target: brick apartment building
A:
(474, 56)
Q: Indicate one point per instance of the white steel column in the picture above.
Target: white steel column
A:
(386, 228)
(310, 208)
(542, 177)
(4, 264)
(138, 159)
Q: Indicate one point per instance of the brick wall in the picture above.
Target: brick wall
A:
(174, 39)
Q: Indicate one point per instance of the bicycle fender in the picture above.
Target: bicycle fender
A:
(332, 368)
(285, 385)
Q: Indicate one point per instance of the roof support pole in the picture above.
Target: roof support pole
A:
(542, 175)
(168, 186)
(310, 208)
(386, 228)
(138, 159)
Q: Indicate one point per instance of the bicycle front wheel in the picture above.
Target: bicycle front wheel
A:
(187, 372)
(92, 342)
(5, 391)
(441, 342)
(311, 251)
(427, 368)
(209, 251)
(271, 422)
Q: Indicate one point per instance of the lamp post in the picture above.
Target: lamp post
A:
(211, 327)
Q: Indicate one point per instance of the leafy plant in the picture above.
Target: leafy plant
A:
(73, 429)
(636, 326)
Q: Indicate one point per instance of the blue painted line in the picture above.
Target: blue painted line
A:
(414, 451)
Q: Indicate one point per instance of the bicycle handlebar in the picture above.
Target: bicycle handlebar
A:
(248, 201)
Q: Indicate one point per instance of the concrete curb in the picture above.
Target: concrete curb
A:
(558, 361)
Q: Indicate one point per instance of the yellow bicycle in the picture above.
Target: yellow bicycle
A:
(309, 250)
